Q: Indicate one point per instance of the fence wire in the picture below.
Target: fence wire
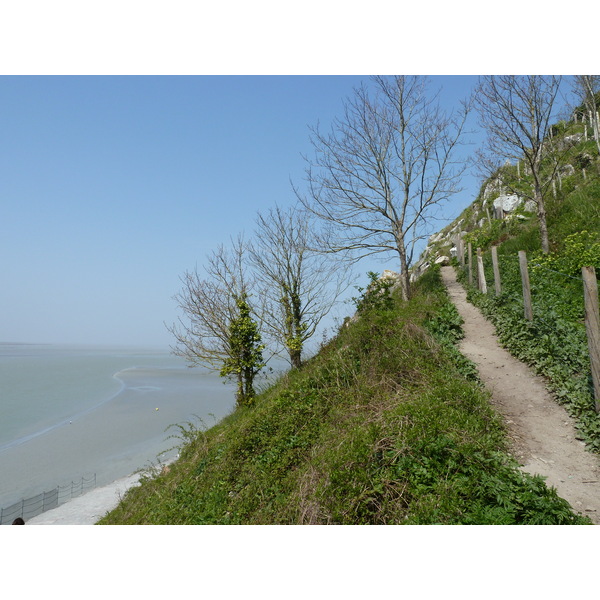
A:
(538, 266)
(35, 505)
(515, 295)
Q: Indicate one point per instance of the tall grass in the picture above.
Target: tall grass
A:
(386, 425)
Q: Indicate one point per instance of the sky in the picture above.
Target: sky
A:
(114, 186)
(133, 143)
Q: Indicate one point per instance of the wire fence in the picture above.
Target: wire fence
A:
(35, 505)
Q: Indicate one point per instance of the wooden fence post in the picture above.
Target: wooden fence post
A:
(592, 326)
(480, 272)
(470, 253)
(461, 250)
(497, 284)
(487, 210)
(526, 286)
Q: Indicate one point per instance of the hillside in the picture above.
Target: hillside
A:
(501, 216)
(388, 423)
(554, 342)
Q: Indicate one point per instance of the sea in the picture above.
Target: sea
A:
(73, 412)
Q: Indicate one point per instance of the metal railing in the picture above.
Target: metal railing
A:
(35, 505)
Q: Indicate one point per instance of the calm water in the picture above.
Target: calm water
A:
(68, 412)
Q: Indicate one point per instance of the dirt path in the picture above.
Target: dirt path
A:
(542, 433)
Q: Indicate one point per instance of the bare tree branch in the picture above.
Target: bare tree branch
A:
(216, 317)
(299, 285)
(376, 176)
(516, 112)
(587, 90)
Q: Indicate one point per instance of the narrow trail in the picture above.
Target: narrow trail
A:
(542, 434)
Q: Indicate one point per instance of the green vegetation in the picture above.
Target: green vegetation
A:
(376, 296)
(386, 425)
(555, 342)
(246, 359)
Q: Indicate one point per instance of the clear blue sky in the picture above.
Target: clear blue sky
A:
(112, 187)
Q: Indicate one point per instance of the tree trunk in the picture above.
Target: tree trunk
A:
(239, 396)
(404, 274)
(541, 210)
(295, 357)
(597, 132)
(293, 321)
(248, 386)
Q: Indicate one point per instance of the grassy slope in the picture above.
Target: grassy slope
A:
(384, 426)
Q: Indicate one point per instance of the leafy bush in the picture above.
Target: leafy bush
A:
(583, 160)
(446, 328)
(377, 295)
(581, 249)
(484, 236)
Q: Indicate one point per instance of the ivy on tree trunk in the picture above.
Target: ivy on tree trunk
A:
(246, 359)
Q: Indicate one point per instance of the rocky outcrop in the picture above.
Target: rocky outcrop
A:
(387, 274)
(393, 278)
(570, 141)
(419, 268)
(492, 187)
(433, 239)
(507, 203)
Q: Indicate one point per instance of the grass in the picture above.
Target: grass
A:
(386, 425)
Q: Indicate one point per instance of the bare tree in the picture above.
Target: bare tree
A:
(377, 177)
(587, 90)
(219, 331)
(516, 113)
(299, 284)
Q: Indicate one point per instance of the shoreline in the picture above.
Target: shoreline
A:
(92, 506)
(89, 508)
(133, 430)
(125, 420)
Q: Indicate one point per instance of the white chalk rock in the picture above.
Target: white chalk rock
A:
(507, 203)
(389, 275)
(570, 140)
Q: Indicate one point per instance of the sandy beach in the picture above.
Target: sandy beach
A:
(89, 508)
